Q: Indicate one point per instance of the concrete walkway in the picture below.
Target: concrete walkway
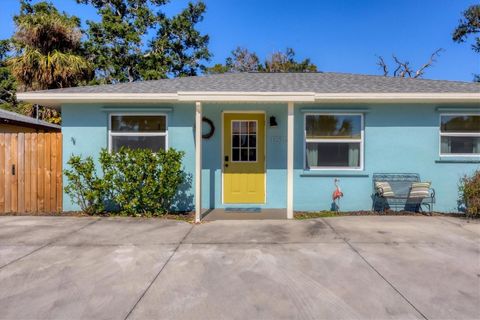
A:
(349, 267)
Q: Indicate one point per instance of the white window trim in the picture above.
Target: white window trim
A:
(361, 141)
(150, 134)
(248, 148)
(455, 134)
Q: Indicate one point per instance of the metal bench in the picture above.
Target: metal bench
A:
(400, 184)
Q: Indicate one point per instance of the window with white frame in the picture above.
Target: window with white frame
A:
(459, 135)
(334, 141)
(138, 131)
(244, 141)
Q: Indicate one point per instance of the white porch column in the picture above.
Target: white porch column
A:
(198, 161)
(290, 158)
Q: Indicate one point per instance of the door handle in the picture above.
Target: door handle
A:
(13, 169)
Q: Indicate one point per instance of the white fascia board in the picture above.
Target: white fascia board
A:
(62, 98)
(399, 97)
(56, 99)
(217, 96)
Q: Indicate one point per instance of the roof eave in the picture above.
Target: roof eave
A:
(57, 99)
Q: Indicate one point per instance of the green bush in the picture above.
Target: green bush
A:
(470, 193)
(134, 182)
(84, 186)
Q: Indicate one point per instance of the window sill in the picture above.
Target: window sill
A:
(334, 173)
(458, 160)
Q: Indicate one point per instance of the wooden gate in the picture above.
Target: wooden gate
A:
(30, 172)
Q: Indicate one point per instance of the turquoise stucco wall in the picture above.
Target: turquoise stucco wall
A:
(398, 138)
(85, 132)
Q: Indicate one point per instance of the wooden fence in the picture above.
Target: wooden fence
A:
(30, 172)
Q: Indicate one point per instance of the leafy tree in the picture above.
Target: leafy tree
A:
(47, 45)
(242, 60)
(469, 25)
(285, 62)
(116, 44)
(7, 81)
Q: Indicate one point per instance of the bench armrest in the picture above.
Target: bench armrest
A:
(432, 193)
(379, 191)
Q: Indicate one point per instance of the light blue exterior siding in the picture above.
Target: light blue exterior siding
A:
(398, 138)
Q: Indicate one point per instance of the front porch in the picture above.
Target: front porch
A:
(273, 162)
(244, 214)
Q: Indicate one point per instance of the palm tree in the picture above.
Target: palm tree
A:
(48, 49)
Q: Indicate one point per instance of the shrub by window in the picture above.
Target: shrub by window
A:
(460, 135)
(334, 141)
(469, 188)
(133, 182)
(138, 132)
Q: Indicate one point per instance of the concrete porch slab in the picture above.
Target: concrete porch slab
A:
(244, 214)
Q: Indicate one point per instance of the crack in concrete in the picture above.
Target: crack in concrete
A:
(48, 244)
(455, 224)
(158, 273)
(377, 272)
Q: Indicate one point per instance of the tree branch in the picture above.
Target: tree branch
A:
(431, 61)
(382, 65)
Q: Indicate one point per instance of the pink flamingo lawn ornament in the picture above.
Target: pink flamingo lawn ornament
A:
(337, 194)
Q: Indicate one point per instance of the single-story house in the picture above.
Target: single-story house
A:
(278, 140)
(11, 122)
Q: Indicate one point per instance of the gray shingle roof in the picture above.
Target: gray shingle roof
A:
(12, 116)
(284, 82)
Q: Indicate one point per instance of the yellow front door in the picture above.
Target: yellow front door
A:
(244, 158)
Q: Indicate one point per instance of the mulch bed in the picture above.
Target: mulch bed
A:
(299, 215)
(183, 216)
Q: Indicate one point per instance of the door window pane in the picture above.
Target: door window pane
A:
(154, 143)
(244, 141)
(236, 141)
(235, 154)
(252, 141)
(131, 123)
(235, 127)
(243, 154)
(252, 127)
(252, 155)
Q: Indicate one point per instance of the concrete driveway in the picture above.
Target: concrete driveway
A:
(349, 267)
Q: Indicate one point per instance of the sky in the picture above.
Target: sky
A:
(337, 35)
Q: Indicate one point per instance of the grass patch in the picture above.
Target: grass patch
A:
(315, 214)
(302, 215)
